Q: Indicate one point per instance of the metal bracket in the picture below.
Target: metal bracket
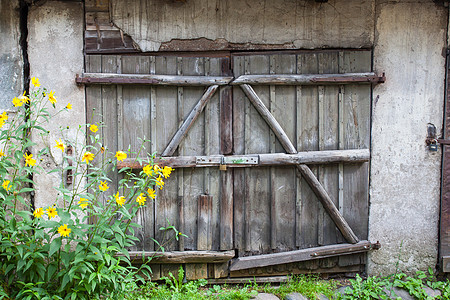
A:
(233, 160)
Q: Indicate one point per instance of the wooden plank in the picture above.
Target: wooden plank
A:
(264, 260)
(212, 141)
(328, 204)
(275, 272)
(151, 79)
(257, 181)
(307, 140)
(135, 126)
(306, 172)
(181, 133)
(283, 108)
(193, 144)
(182, 257)
(239, 198)
(356, 135)
(204, 224)
(196, 271)
(264, 160)
(180, 174)
(167, 204)
(304, 79)
(268, 117)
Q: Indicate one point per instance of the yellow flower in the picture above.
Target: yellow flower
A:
(51, 97)
(3, 118)
(38, 212)
(151, 193)
(1, 153)
(35, 82)
(16, 101)
(159, 182)
(63, 230)
(148, 170)
(29, 160)
(119, 199)
(88, 156)
(60, 145)
(5, 185)
(83, 203)
(166, 171)
(93, 128)
(103, 186)
(24, 98)
(69, 106)
(120, 155)
(51, 212)
(141, 199)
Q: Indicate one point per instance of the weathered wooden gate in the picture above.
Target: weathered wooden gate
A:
(271, 153)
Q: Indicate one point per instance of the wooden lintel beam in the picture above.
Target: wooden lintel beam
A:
(193, 115)
(151, 79)
(265, 260)
(179, 257)
(309, 79)
(264, 160)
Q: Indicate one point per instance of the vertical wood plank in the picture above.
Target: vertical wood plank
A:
(356, 118)
(193, 144)
(167, 204)
(135, 118)
(307, 140)
(204, 225)
(258, 185)
(226, 147)
(298, 179)
(239, 104)
(180, 173)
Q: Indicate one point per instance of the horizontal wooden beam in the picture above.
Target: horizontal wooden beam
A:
(308, 79)
(265, 260)
(181, 257)
(263, 160)
(150, 79)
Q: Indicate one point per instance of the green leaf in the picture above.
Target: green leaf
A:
(55, 245)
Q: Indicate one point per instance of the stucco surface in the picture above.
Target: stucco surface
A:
(11, 65)
(405, 175)
(302, 24)
(55, 50)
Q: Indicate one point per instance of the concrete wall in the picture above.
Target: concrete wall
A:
(11, 63)
(410, 39)
(55, 50)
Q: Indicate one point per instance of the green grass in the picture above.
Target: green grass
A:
(310, 286)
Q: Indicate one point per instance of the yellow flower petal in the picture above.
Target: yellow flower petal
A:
(120, 155)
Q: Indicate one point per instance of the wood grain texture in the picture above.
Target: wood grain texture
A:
(150, 79)
(241, 263)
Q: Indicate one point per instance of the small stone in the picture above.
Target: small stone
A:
(322, 297)
(403, 294)
(295, 296)
(432, 292)
(266, 296)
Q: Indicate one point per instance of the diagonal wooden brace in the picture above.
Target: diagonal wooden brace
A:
(306, 172)
(193, 115)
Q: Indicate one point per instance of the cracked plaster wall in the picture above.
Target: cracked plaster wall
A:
(55, 51)
(300, 24)
(410, 40)
(11, 63)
